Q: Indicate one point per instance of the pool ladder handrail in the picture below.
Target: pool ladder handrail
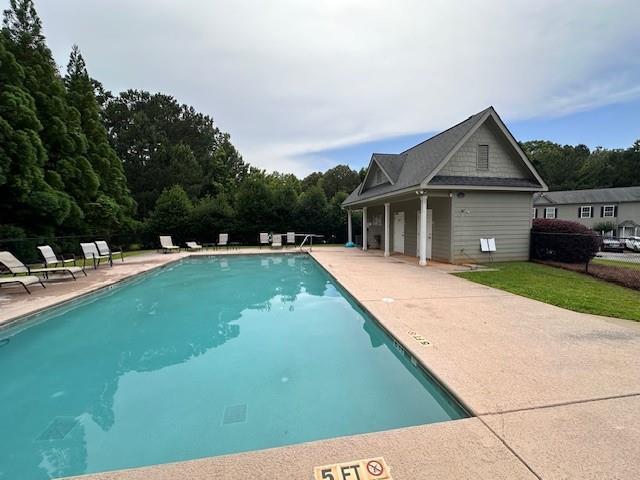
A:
(309, 236)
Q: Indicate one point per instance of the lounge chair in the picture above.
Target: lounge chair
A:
(23, 280)
(193, 246)
(167, 244)
(223, 240)
(264, 239)
(51, 259)
(291, 238)
(16, 267)
(90, 252)
(276, 240)
(104, 249)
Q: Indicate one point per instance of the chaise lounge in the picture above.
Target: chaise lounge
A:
(51, 259)
(167, 244)
(23, 280)
(105, 250)
(90, 252)
(16, 267)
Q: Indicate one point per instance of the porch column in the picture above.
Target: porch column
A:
(386, 228)
(423, 229)
(364, 228)
(349, 229)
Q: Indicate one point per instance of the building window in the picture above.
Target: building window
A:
(609, 211)
(586, 211)
(550, 212)
(482, 162)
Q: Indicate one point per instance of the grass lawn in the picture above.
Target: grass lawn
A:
(563, 288)
(616, 263)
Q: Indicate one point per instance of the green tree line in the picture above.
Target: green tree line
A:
(76, 159)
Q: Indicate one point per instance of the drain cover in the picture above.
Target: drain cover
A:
(235, 414)
(58, 429)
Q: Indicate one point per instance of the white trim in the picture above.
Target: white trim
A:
(490, 113)
(478, 167)
(553, 209)
(590, 211)
(387, 210)
(613, 211)
(373, 159)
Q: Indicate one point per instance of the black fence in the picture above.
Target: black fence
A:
(608, 258)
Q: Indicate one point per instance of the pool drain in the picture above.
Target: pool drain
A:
(235, 414)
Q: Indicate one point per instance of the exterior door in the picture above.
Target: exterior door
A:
(429, 232)
(398, 232)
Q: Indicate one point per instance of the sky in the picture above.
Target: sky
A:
(303, 85)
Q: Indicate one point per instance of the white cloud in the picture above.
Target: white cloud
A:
(293, 76)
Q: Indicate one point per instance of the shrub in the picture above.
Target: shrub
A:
(563, 241)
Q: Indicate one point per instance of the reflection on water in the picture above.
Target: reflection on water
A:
(77, 388)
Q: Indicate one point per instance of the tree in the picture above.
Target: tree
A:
(162, 142)
(311, 180)
(171, 214)
(28, 200)
(211, 215)
(114, 202)
(339, 179)
(311, 212)
(254, 206)
(66, 167)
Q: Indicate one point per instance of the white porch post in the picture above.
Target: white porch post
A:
(386, 229)
(423, 229)
(349, 229)
(364, 228)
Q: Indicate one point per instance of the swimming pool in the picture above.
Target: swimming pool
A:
(209, 356)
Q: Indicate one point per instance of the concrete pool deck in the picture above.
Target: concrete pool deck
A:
(556, 393)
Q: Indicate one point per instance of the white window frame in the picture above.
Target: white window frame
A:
(550, 209)
(534, 212)
(589, 210)
(613, 211)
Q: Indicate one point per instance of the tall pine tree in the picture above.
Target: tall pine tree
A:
(28, 201)
(66, 168)
(114, 205)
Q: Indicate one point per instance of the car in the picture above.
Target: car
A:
(612, 245)
(633, 243)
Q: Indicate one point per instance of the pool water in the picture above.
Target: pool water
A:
(209, 356)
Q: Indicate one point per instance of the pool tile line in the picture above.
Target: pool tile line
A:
(404, 343)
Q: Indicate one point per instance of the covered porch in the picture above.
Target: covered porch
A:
(417, 224)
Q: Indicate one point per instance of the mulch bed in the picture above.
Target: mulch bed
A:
(626, 277)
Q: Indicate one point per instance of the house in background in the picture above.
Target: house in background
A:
(618, 206)
(440, 197)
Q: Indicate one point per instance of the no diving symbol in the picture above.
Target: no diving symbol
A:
(375, 468)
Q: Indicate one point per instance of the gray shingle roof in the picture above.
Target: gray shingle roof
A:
(391, 163)
(409, 168)
(418, 161)
(597, 195)
(483, 181)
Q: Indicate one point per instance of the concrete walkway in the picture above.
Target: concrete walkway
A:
(557, 393)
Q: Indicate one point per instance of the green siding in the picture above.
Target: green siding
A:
(505, 216)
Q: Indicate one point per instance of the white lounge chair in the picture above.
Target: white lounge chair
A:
(276, 240)
(105, 250)
(167, 244)
(16, 267)
(264, 239)
(51, 259)
(23, 280)
(90, 252)
(291, 238)
(223, 240)
(193, 246)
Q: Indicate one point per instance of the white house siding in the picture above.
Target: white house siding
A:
(504, 216)
(503, 161)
